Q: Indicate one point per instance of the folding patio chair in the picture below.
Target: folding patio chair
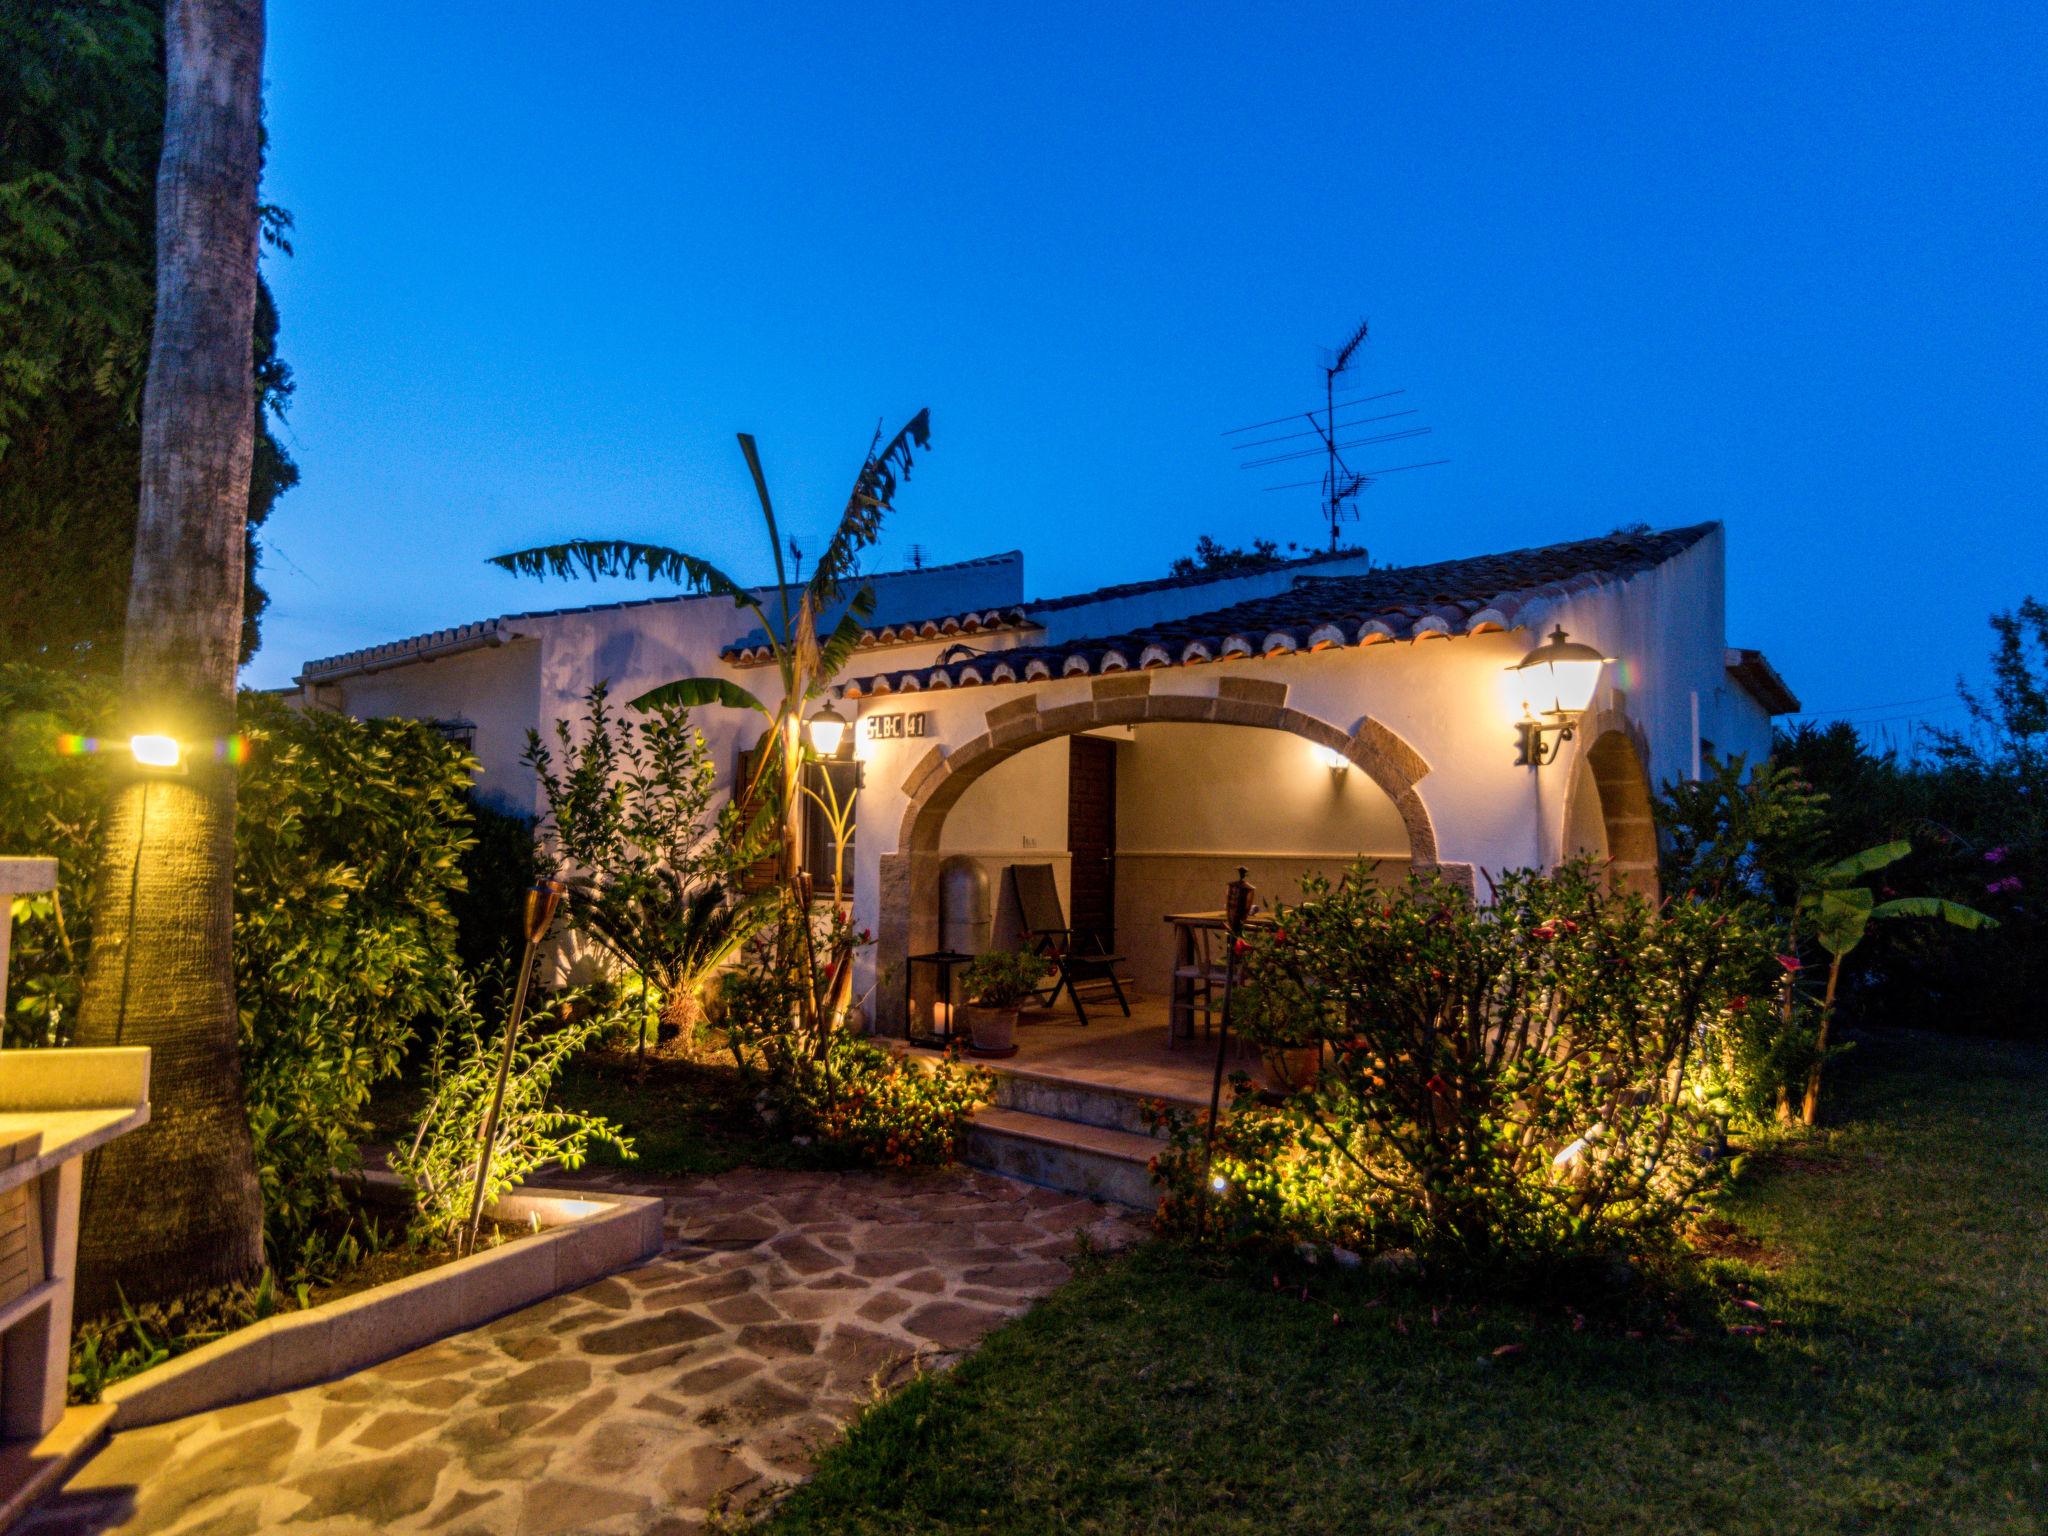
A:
(1078, 960)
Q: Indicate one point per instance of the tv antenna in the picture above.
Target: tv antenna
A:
(1340, 485)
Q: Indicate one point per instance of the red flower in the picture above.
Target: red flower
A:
(1437, 1085)
(1544, 931)
(1738, 1002)
(1791, 964)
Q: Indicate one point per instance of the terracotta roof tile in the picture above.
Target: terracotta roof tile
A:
(1451, 597)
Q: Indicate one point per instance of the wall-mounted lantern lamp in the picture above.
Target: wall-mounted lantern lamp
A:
(828, 730)
(1335, 761)
(1558, 679)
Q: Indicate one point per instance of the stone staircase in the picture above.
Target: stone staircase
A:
(1067, 1134)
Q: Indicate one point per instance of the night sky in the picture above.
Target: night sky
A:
(1778, 265)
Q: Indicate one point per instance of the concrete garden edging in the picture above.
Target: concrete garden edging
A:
(586, 1234)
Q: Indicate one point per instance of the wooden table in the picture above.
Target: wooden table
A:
(1187, 930)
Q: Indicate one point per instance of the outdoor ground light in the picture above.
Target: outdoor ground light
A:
(828, 730)
(1558, 679)
(152, 751)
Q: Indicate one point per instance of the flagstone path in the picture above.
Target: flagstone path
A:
(697, 1384)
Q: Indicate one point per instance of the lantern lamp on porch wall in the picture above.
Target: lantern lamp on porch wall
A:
(1558, 681)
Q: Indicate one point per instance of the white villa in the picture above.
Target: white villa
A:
(1147, 740)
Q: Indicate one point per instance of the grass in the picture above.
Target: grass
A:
(685, 1116)
(1897, 1385)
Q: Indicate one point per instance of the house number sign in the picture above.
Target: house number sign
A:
(894, 727)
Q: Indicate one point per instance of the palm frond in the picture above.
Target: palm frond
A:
(874, 492)
(844, 639)
(752, 453)
(623, 557)
(696, 692)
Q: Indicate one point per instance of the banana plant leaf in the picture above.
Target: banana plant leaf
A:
(696, 692)
(1951, 912)
(623, 557)
(1858, 865)
(845, 637)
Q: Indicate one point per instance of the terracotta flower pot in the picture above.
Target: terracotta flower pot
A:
(1293, 1067)
(993, 1030)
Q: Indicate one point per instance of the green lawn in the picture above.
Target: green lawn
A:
(1902, 1252)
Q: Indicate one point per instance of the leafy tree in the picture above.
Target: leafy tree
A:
(1739, 832)
(1211, 558)
(177, 1204)
(81, 129)
(807, 657)
(629, 807)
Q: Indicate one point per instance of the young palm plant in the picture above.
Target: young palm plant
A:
(1839, 912)
(806, 661)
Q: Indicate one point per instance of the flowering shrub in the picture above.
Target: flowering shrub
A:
(872, 1107)
(1510, 1083)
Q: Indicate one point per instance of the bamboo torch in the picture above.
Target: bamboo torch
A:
(538, 916)
(1239, 897)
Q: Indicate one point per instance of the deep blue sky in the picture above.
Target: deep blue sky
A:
(1776, 265)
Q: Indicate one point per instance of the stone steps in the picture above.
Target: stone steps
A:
(1059, 1097)
(1102, 1162)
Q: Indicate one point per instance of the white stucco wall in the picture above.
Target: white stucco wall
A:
(543, 676)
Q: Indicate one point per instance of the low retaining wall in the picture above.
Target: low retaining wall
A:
(586, 1234)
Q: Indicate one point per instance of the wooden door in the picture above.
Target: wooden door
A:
(1091, 839)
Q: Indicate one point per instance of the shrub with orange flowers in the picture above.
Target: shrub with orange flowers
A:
(869, 1106)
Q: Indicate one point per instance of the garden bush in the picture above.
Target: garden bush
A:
(865, 1105)
(349, 843)
(1534, 1080)
(349, 840)
(1974, 804)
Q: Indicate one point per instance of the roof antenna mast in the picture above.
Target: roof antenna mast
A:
(1341, 485)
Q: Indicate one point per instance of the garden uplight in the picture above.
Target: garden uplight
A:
(155, 751)
(828, 730)
(1558, 681)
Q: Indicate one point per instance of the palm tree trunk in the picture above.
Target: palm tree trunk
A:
(176, 1205)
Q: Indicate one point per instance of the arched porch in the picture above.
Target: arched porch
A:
(1261, 784)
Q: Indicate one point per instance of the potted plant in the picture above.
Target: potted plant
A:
(1280, 1020)
(997, 985)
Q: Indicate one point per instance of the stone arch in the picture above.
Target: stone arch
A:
(1611, 782)
(907, 920)
(939, 781)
